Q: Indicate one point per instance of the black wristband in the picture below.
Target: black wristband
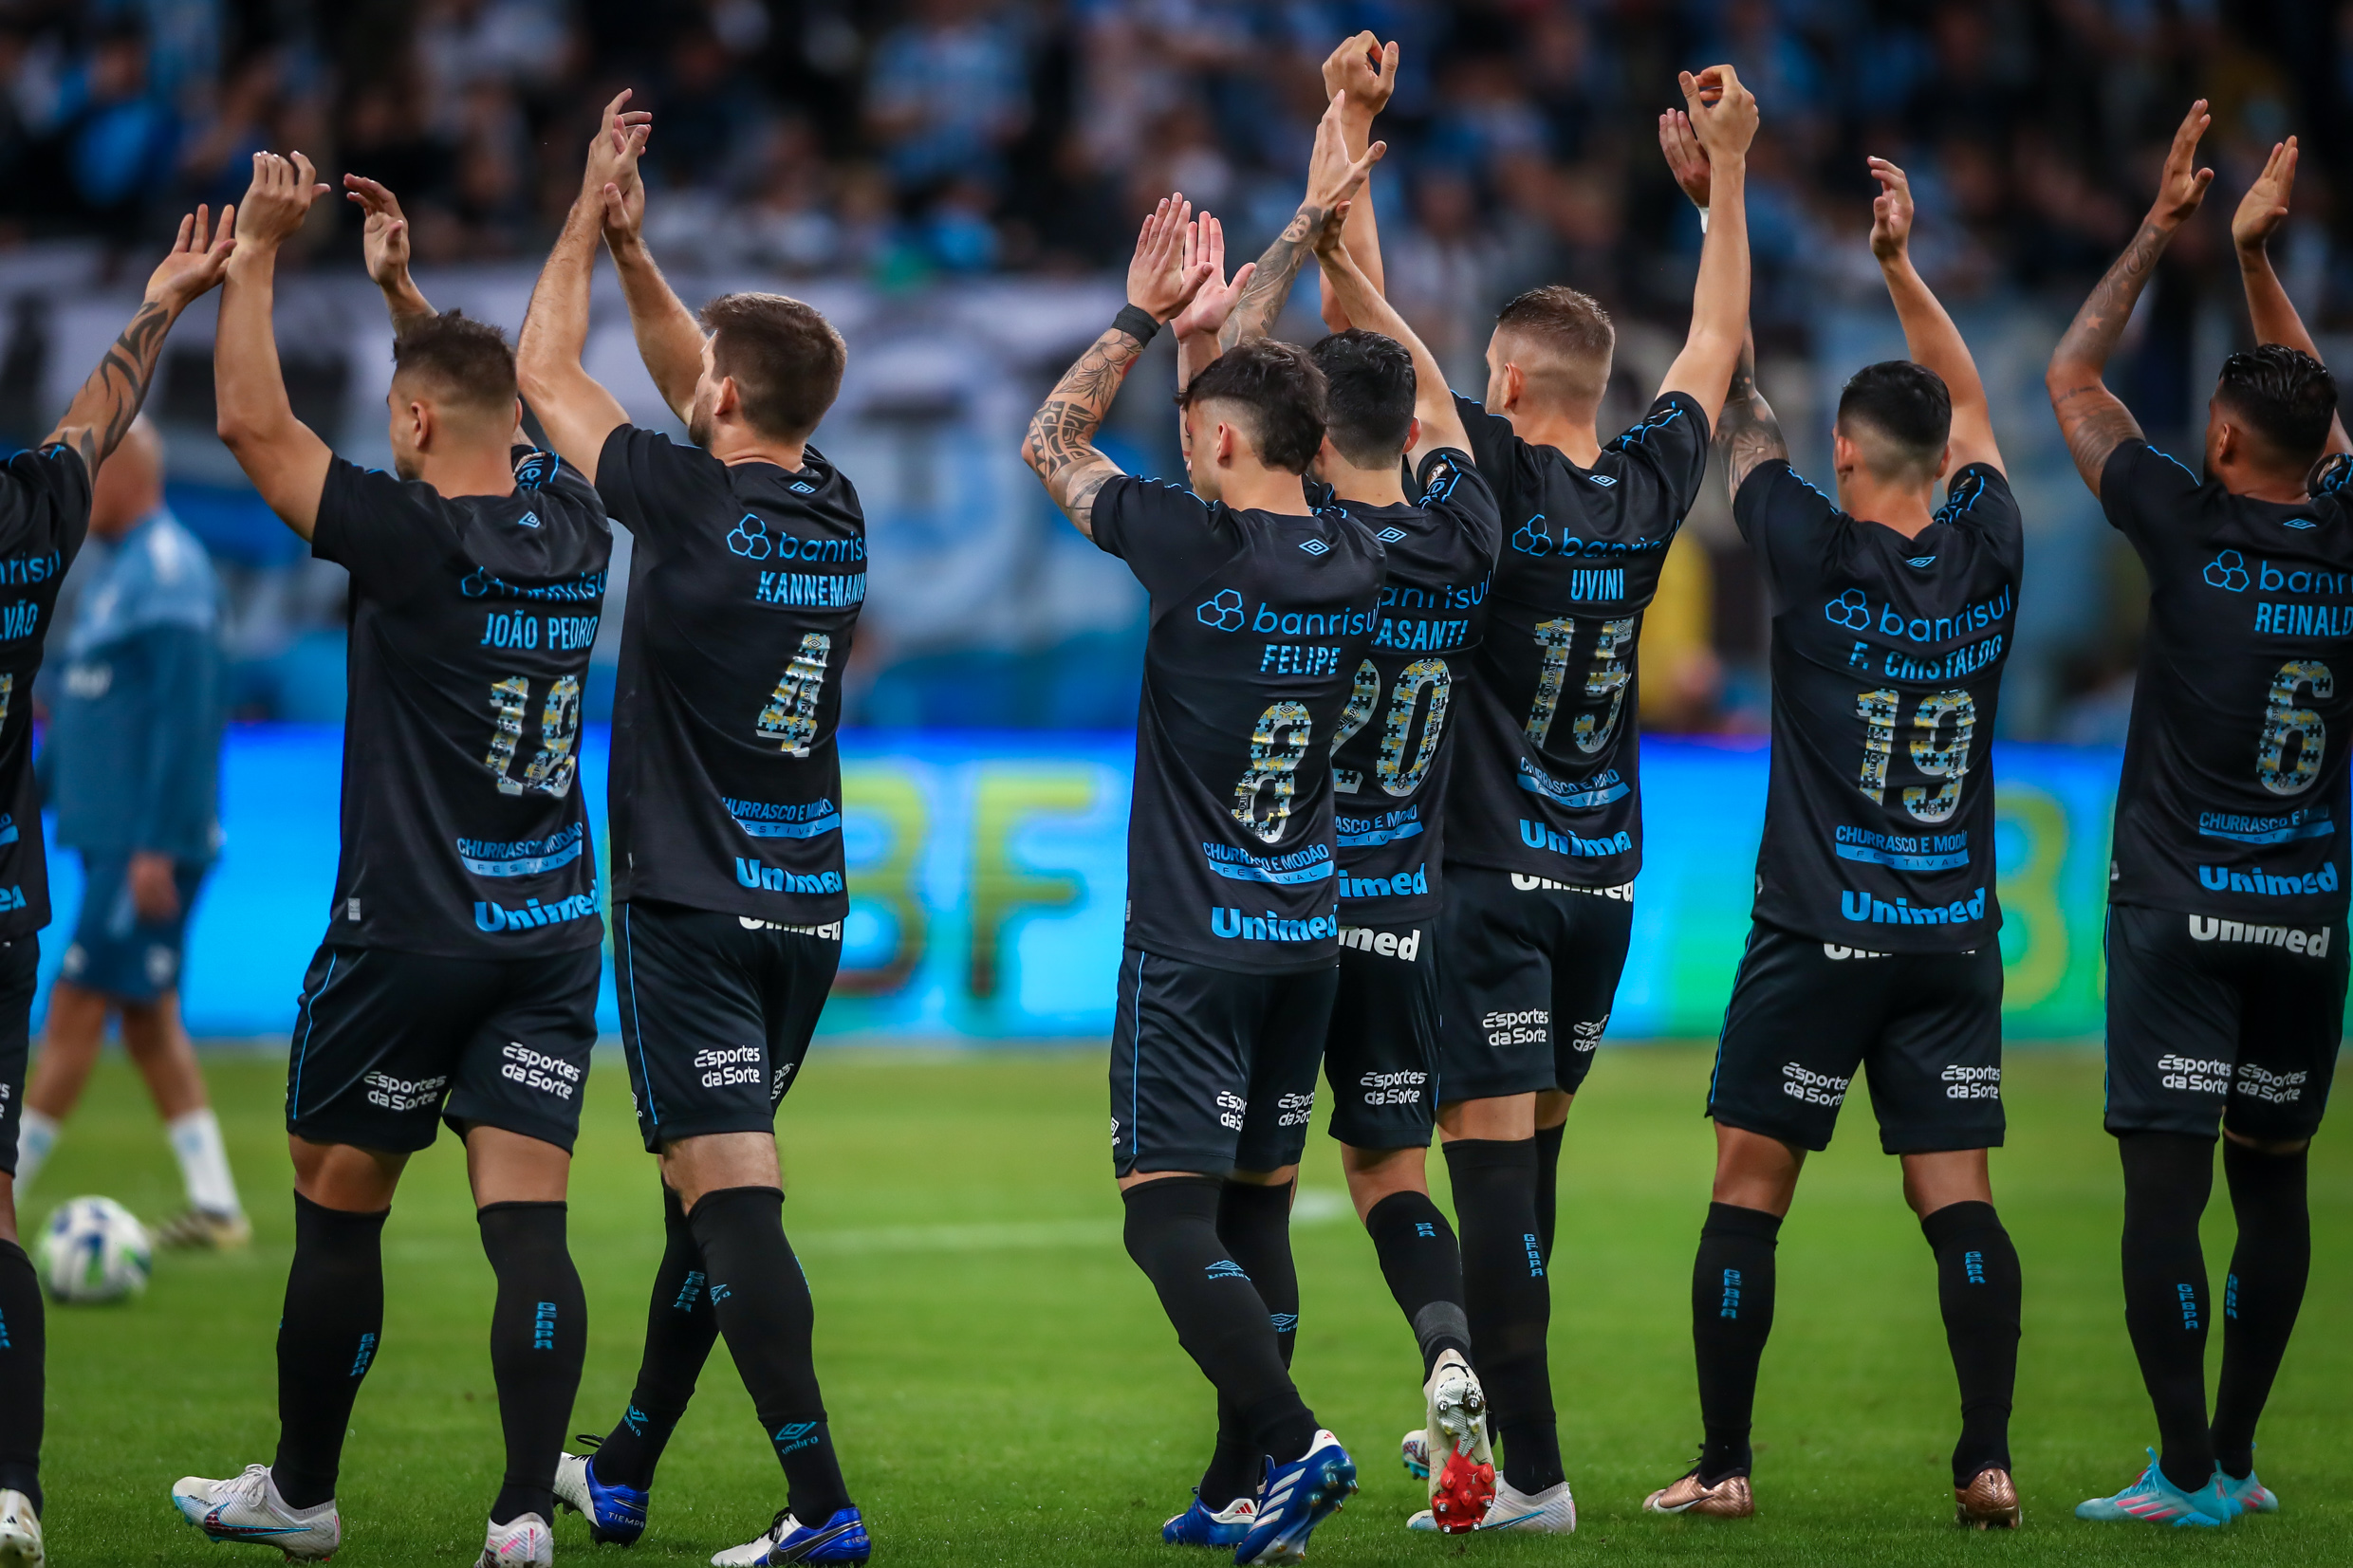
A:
(1136, 321)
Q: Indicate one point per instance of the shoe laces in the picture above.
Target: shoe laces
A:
(776, 1527)
(588, 1442)
(251, 1488)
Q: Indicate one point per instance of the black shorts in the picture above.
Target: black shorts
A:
(113, 952)
(1381, 1050)
(716, 1011)
(2217, 1023)
(1531, 972)
(20, 973)
(1805, 1014)
(1213, 1070)
(388, 1044)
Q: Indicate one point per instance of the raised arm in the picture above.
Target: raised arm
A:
(2260, 213)
(1362, 306)
(2094, 420)
(1061, 441)
(384, 245)
(286, 462)
(1720, 117)
(670, 340)
(1929, 336)
(1747, 437)
(1197, 326)
(575, 411)
(1330, 171)
(1364, 71)
(109, 399)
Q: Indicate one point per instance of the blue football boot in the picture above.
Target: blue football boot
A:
(1198, 1526)
(616, 1515)
(1294, 1499)
(2156, 1501)
(840, 1539)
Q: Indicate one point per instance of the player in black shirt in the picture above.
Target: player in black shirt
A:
(1544, 819)
(2227, 921)
(45, 515)
(1261, 611)
(1875, 919)
(745, 581)
(457, 979)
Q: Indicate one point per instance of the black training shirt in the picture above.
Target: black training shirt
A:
(745, 582)
(471, 617)
(2234, 798)
(1888, 662)
(1549, 780)
(1258, 624)
(45, 515)
(1390, 773)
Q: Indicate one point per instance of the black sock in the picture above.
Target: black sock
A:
(24, 1342)
(539, 1338)
(2263, 1294)
(679, 1332)
(327, 1337)
(1509, 1300)
(1547, 1184)
(2168, 1176)
(1424, 1266)
(1977, 1286)
(1219, 1316)
(1254, 1222)
(1732, 1317)
(762, 1301)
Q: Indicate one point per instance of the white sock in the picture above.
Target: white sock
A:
(204, 1162)
(35, 1137)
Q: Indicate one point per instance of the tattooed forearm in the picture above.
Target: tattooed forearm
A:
(1262, 300)
(2095, 422)
(1061, 442)
(2092, 335)
(1747, 434)
(102, 412)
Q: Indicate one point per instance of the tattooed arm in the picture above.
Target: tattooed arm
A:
(1168, 270)
(109, 400)
(285, 459)
(2094, 420)
(2260, 213)
(1330, 171)
(1746, 434)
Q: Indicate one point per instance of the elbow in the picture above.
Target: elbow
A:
(1032, 452)
(236, 432)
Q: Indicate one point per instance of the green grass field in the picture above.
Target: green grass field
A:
(1005, 1389)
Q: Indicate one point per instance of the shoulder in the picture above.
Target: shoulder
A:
(1776, 488)
(1674, 418)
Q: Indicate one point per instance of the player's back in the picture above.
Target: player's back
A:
(1549, 778)
(2234, 800)
(45, 516)
(1393, 753)
(471, 619)
(1258, 622)
(1887, 657)
(746, 581)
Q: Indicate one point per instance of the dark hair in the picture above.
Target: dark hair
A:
(2285, 395)
(1368, 395)
(466, 363)
(1904, 401)
(1281, 394)
(785, 358)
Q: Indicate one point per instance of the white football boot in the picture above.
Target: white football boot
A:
(20, 1532)
(248, 1507)
(1456, 1458)
(1551, 1512)
(523, 1541)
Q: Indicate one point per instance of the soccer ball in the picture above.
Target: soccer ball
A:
(93, 1250)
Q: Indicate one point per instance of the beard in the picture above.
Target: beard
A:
(698, 425)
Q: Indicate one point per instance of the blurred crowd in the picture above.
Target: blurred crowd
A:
(901, 139)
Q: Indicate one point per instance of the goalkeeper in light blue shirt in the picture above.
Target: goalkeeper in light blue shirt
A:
(132, 767)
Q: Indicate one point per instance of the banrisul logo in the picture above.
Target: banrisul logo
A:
(2227, 571)
(1223, 613)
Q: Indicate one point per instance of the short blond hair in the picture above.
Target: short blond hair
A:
(1568, 340)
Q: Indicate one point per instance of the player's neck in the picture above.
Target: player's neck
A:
(1576, 437)
(468, 470)
(1902, 506)
(734, 442)
(2253, 484)
(1377, 486)
(1263, 489)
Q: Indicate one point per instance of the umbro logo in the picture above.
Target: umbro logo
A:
(1605, 480)
(529, 519)
(801, 486)
(1225, 1268)
(2299, 522)
(1921, 561)
(1315, 546)
(1390, 536)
